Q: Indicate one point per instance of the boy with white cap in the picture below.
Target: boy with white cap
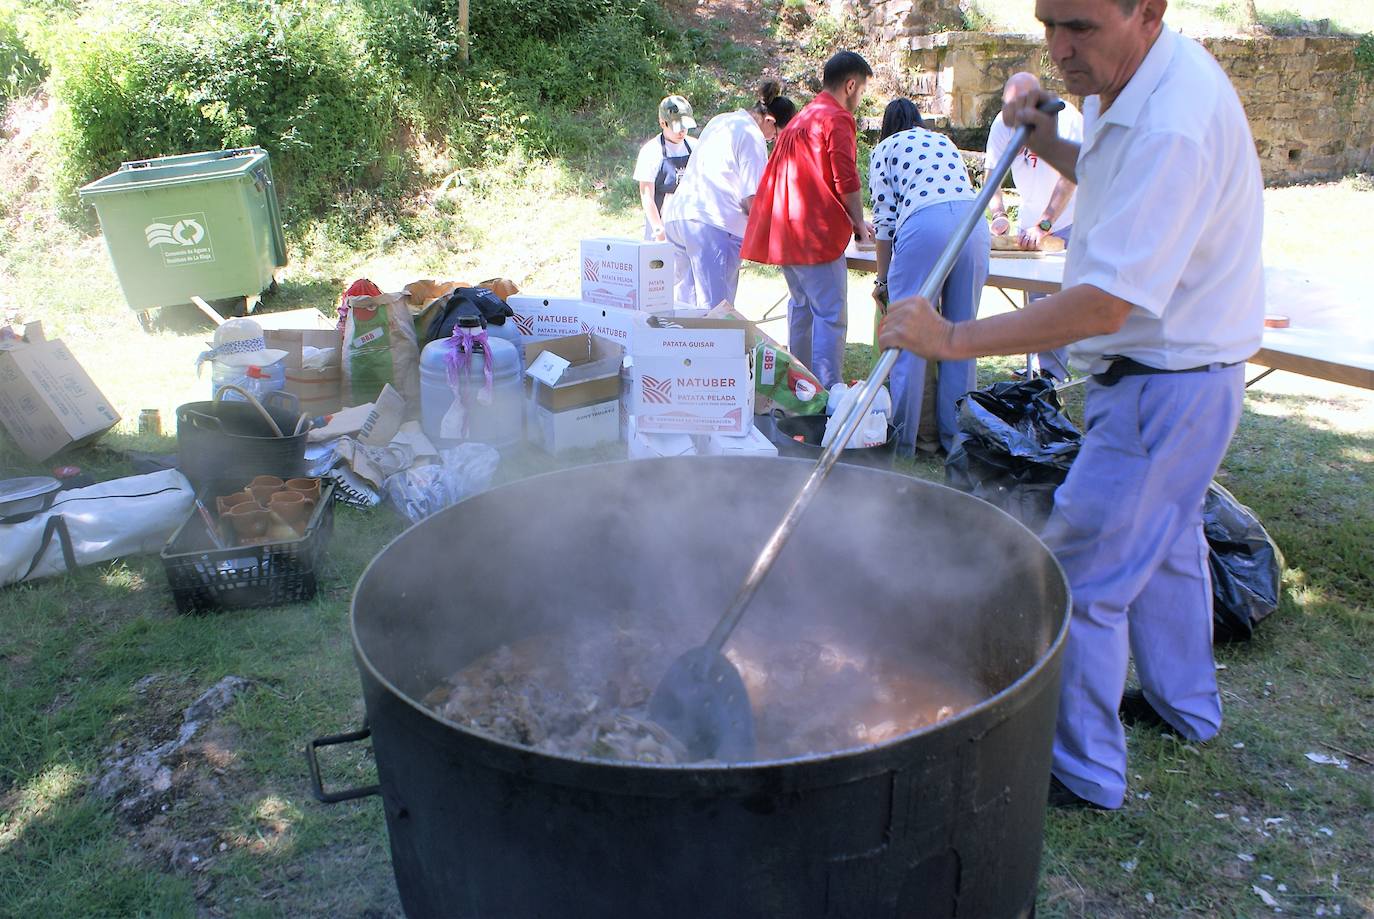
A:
(658, 170)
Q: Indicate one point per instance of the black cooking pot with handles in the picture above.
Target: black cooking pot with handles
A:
(942, 821)
(225, 444)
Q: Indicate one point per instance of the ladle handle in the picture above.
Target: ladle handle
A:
(253, 401)
(876, 377)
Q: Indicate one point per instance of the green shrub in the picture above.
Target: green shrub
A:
(20, 69)
(337, 91)
(157, 77)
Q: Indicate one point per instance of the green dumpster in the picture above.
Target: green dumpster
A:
(200, 224)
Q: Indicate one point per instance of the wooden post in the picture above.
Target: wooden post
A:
(463, 29)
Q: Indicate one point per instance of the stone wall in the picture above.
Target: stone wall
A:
(891, 20)
(1311, 111)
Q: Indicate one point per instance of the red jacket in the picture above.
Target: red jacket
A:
(798, 217)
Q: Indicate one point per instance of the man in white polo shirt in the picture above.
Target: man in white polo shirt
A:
(1163, 300)
(1046, 196)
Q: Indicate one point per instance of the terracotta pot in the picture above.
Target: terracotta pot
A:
(224, 502)
(266, 480)
(263, 493)
(309, 489)
(249, 521)
(291, 507)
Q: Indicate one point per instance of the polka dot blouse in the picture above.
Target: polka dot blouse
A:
(911, 170)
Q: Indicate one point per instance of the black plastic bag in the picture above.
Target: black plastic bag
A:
(1016, 449)
(464, 301)
(1246, 564)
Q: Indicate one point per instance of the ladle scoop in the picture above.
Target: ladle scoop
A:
(702, 700)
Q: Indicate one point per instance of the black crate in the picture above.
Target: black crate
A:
(204, 579)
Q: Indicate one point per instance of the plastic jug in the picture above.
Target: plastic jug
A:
(497, 420)
(872, 431)
(508, 331)
(257, 380)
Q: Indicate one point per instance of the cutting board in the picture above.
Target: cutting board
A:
(1008, 247)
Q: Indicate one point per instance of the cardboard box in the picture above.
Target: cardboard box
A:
(629, 273)
(753, 443)
(592, 373)
(538, 318)
(692, 381)
(613, 323)
(47, 401)
(650, 446)
(578, 428)
(320, 391)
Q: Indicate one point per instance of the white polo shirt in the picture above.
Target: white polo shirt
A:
(726, 166)
(1170, 215)
(1034, 178)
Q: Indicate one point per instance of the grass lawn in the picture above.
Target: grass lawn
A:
(101, 659)
(1204, 17)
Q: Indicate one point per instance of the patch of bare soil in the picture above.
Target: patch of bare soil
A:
(21, 169)
(20, 160)
(176, 783)
(741, 22)
(173, 781)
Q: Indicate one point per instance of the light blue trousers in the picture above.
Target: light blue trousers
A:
(1127, 527)
(918, 245)
(1056, 362)
(818, 317)
(713, 255)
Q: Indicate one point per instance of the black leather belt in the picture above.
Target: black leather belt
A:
(1129, 367)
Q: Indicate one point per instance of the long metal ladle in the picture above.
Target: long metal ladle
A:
(701, 700)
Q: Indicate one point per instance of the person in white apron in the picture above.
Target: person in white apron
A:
(1163, 301)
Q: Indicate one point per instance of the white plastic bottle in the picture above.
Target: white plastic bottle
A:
(257, 380)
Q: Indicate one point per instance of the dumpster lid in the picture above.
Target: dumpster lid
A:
(175, 170)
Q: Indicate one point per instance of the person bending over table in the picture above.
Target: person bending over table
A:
(706, 218)
(807, 207)
(920, 191)
(1163, 301)
(1046, 196)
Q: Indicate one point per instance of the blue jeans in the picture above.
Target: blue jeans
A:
(818, 317)
(1127, 528)
(714, 257)
(918, 245)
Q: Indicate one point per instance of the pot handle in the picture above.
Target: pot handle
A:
(292, 404)
(200, 419)
(317, 785)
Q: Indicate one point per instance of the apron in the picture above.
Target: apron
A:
(669, 172)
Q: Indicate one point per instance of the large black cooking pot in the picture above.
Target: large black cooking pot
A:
(942, 822)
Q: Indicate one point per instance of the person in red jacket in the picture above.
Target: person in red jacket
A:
(808, 206)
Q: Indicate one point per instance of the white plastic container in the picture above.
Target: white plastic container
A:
(510, 332)
(499, 423)
(257, 380)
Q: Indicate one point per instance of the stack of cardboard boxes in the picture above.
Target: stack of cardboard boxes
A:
(685, 380)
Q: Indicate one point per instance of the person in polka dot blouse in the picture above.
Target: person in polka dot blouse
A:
(920, 191)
